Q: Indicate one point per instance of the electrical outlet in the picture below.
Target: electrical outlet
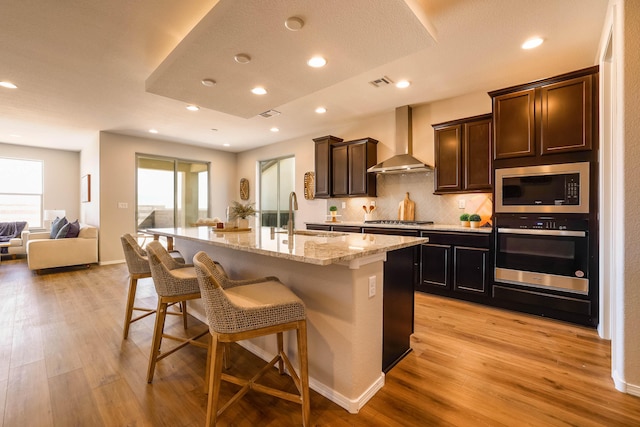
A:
(344, 205)
(372, 203)
(372, 286)
(123, 205)
(462, 203)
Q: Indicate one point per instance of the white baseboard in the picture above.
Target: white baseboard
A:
(623, 386)
(351, 405)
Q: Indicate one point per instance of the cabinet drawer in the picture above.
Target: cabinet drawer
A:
(478, 240)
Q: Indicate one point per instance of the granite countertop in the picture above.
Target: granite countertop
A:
(312, 247)
(431, 227)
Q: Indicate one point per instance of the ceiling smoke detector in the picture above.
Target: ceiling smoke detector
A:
(270, 113)
(382, 81)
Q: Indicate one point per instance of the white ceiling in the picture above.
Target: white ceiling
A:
(120, 66)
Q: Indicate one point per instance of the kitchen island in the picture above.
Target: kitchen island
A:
(339, 276)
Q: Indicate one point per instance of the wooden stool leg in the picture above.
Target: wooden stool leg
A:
(215, 377)
(207, 369)
(304, 371)
(184, 314)
(161, 314)
(133, 285)
(280, 350)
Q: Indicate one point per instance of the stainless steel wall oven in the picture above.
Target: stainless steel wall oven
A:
(543, 252)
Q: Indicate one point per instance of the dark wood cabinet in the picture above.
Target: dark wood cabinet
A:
(566, 115)
(351, 160)
(463, 155)
(546, 117)
(456, 264)
(323, 163)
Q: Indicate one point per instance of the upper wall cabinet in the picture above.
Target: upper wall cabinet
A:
(323, 164)
(341, 167)
(463, 155)
(351, 160)
(546, 117)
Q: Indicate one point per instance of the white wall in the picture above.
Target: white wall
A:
(61, 176)
(117, 156)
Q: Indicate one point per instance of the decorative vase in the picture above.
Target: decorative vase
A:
(474, 224)
(464, 223)
(334, 216)
(243, 223)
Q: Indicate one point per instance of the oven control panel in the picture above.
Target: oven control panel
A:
(533, 222)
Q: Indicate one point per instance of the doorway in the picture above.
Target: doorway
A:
(277, 181)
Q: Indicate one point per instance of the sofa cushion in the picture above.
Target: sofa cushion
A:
(74, 230)
(56, 225)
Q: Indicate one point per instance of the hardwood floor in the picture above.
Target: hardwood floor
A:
(63, 363)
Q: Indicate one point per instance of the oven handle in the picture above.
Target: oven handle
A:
(568, 233)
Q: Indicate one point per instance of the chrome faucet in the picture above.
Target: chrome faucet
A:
(292, 207)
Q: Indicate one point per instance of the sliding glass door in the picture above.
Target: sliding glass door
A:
(170, 192)
(276, 183)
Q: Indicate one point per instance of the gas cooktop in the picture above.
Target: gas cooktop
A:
(397, 222)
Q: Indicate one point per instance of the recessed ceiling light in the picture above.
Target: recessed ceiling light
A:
(193, 107)
(226, 144)
(8, 85)
(294, 23)
(208, 82)
(403, 83)
(532, 42)
(317, 62)
(259, 91)
(153, 130)
(242, 58)
(274, 129)
(321, 110)
(15, 135)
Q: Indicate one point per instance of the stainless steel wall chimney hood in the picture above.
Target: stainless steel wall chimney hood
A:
(403, 161)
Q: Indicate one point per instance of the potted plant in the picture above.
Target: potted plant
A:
(464, 220)
(333, 210)
(241, 212)
(474, 220)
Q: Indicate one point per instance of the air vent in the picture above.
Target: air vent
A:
(382, 81)
(270, 113)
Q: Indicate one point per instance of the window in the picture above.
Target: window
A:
(277, 181)
(170, 192)
(21, 186)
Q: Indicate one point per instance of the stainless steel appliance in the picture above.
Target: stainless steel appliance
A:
(558, 188)
(549, 252)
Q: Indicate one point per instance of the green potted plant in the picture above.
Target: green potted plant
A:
(240, 213)
(464, 220)
(333, 210)
(474, 220)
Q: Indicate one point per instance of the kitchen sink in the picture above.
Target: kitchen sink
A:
(315, 233)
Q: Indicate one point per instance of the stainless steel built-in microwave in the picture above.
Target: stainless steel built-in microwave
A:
(560, 188)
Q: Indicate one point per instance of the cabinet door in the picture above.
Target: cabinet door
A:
(470, 269)
(357, 156)
(477, 155)
(514, 124)
(566, 116)
(340, 171)
(448, 175)
(323, 165)
(435, 265)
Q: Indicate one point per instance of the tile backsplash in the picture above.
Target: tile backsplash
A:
(442, 209)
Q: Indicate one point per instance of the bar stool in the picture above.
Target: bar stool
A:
(138, 265)
(174, 282)
(237, 313)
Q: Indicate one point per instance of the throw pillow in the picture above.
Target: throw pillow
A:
(62, 233)
(56, 225)
(74, 230)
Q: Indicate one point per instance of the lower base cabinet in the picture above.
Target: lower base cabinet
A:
(456, 264)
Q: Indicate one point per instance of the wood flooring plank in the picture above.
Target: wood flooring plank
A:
(28, 402)
(72, 401)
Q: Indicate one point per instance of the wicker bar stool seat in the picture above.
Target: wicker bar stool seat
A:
(237, 313)
(138, 266)
(174, 282)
